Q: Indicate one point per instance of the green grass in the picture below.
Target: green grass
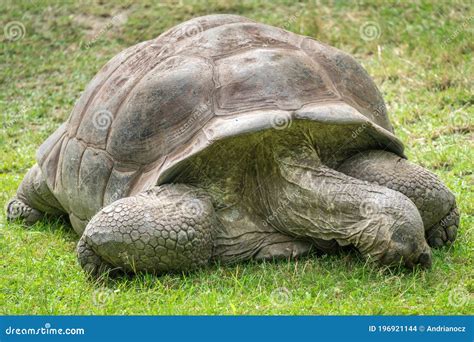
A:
(422, 62)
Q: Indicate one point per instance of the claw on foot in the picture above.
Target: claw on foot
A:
(92, 263)
(445, 231)
(17, 209)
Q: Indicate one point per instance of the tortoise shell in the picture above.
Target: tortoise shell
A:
(161, 101)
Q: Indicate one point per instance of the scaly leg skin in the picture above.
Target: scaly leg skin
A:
(318, 202)
(166, 229)
(436, 204)
(33, 199)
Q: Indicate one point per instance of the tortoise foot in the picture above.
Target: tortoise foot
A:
(19, 210)
(92, 263)
(445, 231)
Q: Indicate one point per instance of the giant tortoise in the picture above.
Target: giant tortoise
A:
(226, 139)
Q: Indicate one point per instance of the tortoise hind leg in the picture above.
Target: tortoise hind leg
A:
(434, 201)
(166, 229)
(33, 199)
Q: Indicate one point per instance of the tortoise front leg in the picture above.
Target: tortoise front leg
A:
(315, 201)
(435, 202)
(169, 228)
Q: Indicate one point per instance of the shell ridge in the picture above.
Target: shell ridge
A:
(104, 81)
(80, 162)
(137, 82)
(324, 74)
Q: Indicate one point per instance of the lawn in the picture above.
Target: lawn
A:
(418, 52)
